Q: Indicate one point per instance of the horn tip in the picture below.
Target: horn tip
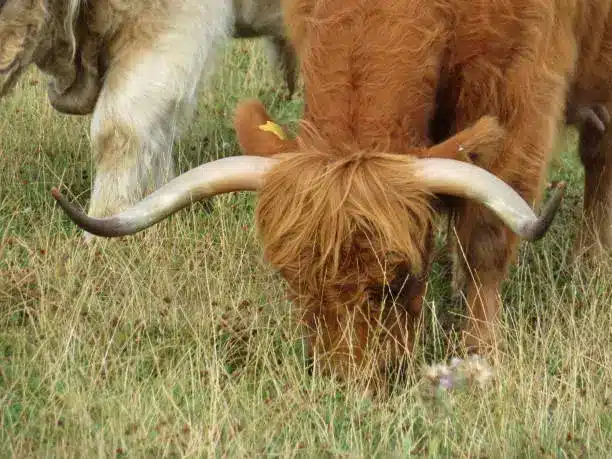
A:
(539, 227)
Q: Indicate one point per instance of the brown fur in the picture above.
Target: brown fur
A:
(400, 76)
(336, 234)
(249, 115)
(336, 230)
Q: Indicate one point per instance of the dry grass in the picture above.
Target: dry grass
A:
(179, 342)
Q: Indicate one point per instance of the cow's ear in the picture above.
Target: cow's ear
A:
(479, 144)
(257, 134)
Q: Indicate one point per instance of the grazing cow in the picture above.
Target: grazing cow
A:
(135, 65)
(405, 101)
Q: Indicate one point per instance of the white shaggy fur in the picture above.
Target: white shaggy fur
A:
(136, 64)
(152, 92)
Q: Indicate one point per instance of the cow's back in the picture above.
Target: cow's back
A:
(370, 72)
(372, 68)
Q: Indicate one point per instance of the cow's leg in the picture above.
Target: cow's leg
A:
(595, 234)
(484, 246)
(149, 92)
(483, 251)
(282, 55)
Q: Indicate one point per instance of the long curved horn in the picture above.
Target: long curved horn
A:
(458, 178)
(236, 173)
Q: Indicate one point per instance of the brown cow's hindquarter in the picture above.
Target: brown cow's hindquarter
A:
(592, 87)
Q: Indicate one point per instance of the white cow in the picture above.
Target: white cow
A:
(135, 65)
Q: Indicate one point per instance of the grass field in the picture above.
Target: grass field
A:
(179, 341)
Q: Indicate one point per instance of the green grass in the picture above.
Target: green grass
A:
(179, 341)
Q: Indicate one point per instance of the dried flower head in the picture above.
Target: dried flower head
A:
(459, 373)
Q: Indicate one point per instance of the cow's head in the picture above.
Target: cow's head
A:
(343, 231)
(21, 22)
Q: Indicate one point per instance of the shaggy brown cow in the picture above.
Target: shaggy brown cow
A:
(400, 98)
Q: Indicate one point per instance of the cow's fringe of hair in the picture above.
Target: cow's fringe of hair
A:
(329, 222)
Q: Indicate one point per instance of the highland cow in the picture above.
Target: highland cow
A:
(405, 102)
(136, 66)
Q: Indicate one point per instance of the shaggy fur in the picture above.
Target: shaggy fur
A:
(338, 236)
(335, 236)
(400, 77)
(135, 65)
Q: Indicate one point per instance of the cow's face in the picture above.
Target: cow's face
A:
(21, 22)
(351, 239)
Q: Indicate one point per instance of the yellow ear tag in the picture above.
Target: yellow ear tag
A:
(274, 128)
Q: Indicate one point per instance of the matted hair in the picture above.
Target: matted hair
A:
(328, 222)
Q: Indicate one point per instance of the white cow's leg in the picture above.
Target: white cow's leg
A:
(149, 92)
